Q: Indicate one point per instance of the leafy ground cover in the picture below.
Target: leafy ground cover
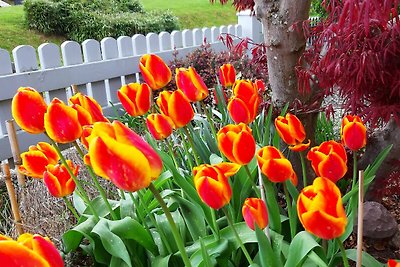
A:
(192, 14)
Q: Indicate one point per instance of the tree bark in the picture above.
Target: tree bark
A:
(283, 34)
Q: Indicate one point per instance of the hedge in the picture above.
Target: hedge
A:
(80, 20)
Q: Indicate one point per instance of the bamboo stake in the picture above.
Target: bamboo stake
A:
(13, 199)
(360, 217)
(12, 137)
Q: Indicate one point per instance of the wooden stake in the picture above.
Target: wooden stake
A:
(360, 217)
(12, 137)
(75, 89)
(13, 199)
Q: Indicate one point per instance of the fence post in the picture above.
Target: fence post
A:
(251, 27)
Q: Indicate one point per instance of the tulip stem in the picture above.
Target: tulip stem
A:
(195, 155)
(171, 153)
(344, 256)
(210, 122)
(153, 220)
(81, 191)
(258, 131)
(253, 184)
(71, 208)
(174, 229)
(292, 221)
(216, 228)
(355, 176)
(97, 184)
(303, 168)
(245, 252)
(186, 150)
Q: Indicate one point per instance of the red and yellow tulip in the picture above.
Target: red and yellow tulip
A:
(176, 106)
(329, 160)
(155, 72)
(275, 166)
(292, 132)
(62, 122)
(211, 182)
(243, 105)
(89, 111)
(35, 160)
(191, 84)
(159, 125)
(227, 75)
(320, 209)
(255, 212)
(58, 181)
(29, 250)
(353, 132)
(28, 108)
(135, 98)
(237, 143)
(393, 263)
(119, 154)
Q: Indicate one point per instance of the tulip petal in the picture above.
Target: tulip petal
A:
(179, 109)
(47, 250)
(213, 193)
(354, 136)
(13, 254)
(238, 110)
(323, 225)
(34, 164)
(244, 148)
(227, 168)
(332, 167)
(123, 164)
(277, 170)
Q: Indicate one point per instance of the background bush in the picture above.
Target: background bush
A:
(80, 20)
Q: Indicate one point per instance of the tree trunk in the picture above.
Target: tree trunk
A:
(283, 34)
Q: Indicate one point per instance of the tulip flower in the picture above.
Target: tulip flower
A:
(119, 154)
(237, 143)
(176, 106)
(329, 160)
(353, 132)
(254, 212)
(393, 263)
(28, 108)
(243, 106)
(211, 182)
(159, 125)
(191, 84)
(29, 250)
(89, 111)
(155, 72)
(275, 166)
(227, 75)
(35, 160)
(320, 209)
(62, 122)
(292, 132)
(135, 98)
(260, 85)
(58, 180)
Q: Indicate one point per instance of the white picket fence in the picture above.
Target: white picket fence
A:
(97, 68)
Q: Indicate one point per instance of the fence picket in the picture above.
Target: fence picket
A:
(207, 35)
(50, 57)
(25, 58)
(125, 49)
(176, 39)
(91, 53)
(214, 34)
(5, 62)
(139, 44)
(72, 55)
(165, 41)
(109, 50)
(187, 38)
(197, 37)
(153, 42)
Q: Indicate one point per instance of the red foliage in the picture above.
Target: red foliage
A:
(239, 4)
(357, 52)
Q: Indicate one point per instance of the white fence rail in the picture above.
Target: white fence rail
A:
(97, 68)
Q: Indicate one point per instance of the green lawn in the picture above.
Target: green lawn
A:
(191, 13)
(196, 13)
(13, 31)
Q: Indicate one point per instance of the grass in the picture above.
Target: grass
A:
(195, 13)
(13, 31)
(191, 13)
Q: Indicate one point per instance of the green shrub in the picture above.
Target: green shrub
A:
(95, 19)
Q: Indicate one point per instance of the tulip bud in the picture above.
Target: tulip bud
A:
(191, 84)
(227, 75)
(254, 212)
(159, 125)
(28, 108)
(176, 106)
(155, 72)
(353, 132)
(58, 180)
(243, 106)
(135, 98)
(320, 209)
(292, 132)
